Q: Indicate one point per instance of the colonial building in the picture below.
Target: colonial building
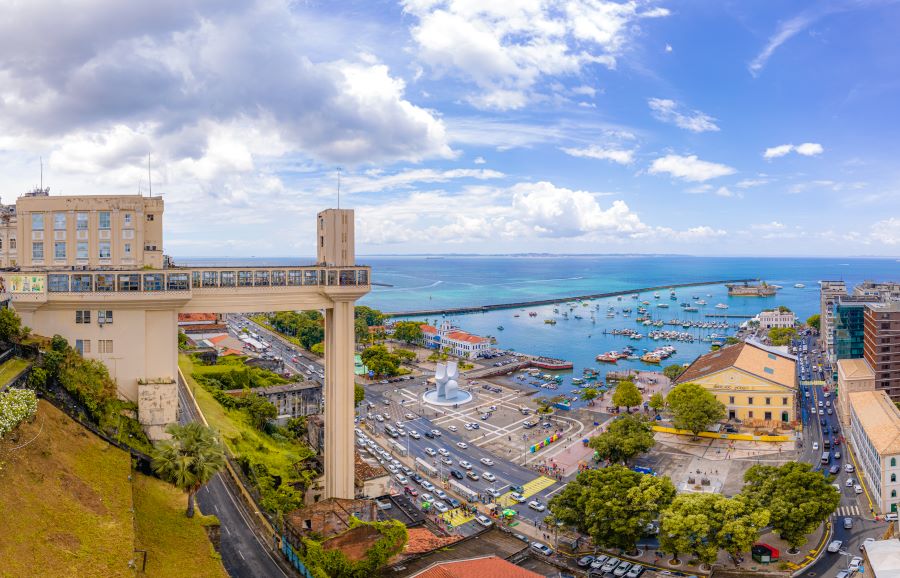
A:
(91, 268)
(775, 318)
(455, 341)
(875, 435)
(757, 385)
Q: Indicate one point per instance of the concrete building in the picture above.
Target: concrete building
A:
(828, 292)
(875, 435)
(290, 399)
(775, 318)
(756, 384)
(476, 568)
(853, 375)
(454, 340)
(885, 291)
(104, 285)
(881, 347)
(849, 326)
(882, 559)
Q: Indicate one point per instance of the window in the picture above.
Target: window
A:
(245, 278)
(104, 317)
(153, 282)
(81, 221)
(893, 478)
(295, 277)
(150, 216)
(127, 217)
(768, 401)
(195, 279)
(750, 414)
(58, 283)
(59, 221)
(210, 278)
(277, 277)
(106, 282)
(768, 416)
(12, 243)
(784, 401)
(768, 370)
(177, 282)
(772, 356)
(82, 283)
(127, 249)
(749, 401)
(130, 282)
(893, 493)
(104, 250)
(59, 250)
(104, 219)
(83, 316)
(37, 221)
(261, 278)
(104, 346)
(731, 399)
(226, 279)
(37, 251)
(893, 462)
(81, 250)
(83, 346)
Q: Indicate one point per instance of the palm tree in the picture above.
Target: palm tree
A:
(589, 395)
(189, 460)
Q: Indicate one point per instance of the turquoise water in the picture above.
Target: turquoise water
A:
(420, 283)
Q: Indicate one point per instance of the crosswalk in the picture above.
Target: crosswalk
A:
(531, 488)
(844, 511)
(457, 517)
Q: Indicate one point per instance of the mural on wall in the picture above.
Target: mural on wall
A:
(22, 283)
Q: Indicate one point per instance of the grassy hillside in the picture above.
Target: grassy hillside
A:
(66, 501)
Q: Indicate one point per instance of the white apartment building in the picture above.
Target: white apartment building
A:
(875, 435)
(774, 318)
(828, 292)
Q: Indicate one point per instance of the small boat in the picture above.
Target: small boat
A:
(578, 317)
(577, 381)
(701, 302)
(550, 321)
(608, 357)
(531, 314)
(656, 295)
(663, 305)
(650, 358)
(721, 306)
(799, 285)
(691, 309)
(516, 315)
(499, 328)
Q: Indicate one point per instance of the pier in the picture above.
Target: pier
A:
(555, 300)
(727, 316)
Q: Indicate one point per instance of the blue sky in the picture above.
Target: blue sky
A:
(583, 126)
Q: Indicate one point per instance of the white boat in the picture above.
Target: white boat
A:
(701, 302)
(799, 285)
(721, 306)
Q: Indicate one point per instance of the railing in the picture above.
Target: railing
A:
(174, 280)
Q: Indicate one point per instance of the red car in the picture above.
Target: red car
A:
(409, 490)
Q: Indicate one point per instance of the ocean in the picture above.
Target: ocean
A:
(418, 283)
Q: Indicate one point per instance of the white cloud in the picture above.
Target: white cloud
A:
(694, 233)
(507, 48)
(671, 112)
(886, 232)
(479, 160)
(621, 156)
(726, 192)
(748, 183)
(689, 168)
(375, 182)
(771, 226)
(807, 149)
(668, 48)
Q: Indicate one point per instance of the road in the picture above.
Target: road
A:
(244, 554)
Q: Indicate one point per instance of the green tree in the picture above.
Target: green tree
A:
(732, 340)
(189, 460)
(358, 393)
(545, 404)
(742, 525)
(297, 426)
(318, 349)
(589, 394)
(673, 371)
(259, 409)
(408, 331)
(657, 402)
(781, 335)
(280, 500)
(370, 316)
(694, 408)
(625, 438)
(11, 330)
(380, 361)
(361, 330)
(182, 340)
(627, 395)
(405, 355)
(784, 309)
(798, 498)
(613, 505)
(813, 321)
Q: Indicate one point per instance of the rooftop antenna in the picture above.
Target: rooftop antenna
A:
(339, 187)
(149, 181)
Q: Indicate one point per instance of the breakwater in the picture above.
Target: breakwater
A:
(537, 302)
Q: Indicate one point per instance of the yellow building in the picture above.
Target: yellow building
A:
(92, 270)
(757, 385)
(853, 375)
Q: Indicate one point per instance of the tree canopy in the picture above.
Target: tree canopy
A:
(408, 331)
(673, 371)
(306, 326)
(370, 316)
(626, 437)
(798, 497)
(613, 504)
(813, 321)
(657, 402)
(190, 459)
(11, 329)
(589, 394)
(693, 407)
(627, 395)
(781, 335)
(379, 360)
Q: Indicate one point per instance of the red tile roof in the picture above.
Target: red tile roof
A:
(464, 336)
(217, 339)
(428, 328)
(490, 566)
(423, 540)
(184, 317)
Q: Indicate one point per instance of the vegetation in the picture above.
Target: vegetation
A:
(732, 340)
(330, 562)
(231, 374)
(88, 381)
(627, 395)
(11, 329)
(545, 404)
(408, 331)
(382, 362)
(183, 341)
(781, 335)
(702, 524)
(16, 406)
(589, 394)
(275, 452)
(673, 371)
(798, 498)
(359, 393)
(813, 321)
(613, 505)
(625, 438)
(11, 368)
(176, 546)
(189, 460)
(657, 402)
(371, 317)
(306, 328)
(694, 408)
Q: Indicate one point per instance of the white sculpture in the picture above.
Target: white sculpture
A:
(445, 376)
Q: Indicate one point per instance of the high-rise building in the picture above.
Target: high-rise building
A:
(848, 325)
(92, 270)
(881, 348)
(886, 291)
(828, 292)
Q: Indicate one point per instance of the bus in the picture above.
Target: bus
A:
(424, 466)
(397, 447)
(464, 491)
(389, 429)
(826, 457)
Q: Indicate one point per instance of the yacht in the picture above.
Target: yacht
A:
(799, 285)
(701, 302)
(721, 306)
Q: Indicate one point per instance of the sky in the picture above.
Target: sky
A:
(463, 126)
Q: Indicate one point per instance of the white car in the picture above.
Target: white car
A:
(452, 428)
(414, 434)
(835, 546)
(440, 494)
(402, 479)
(815, 446)
(426, 498)
(487, 461)
(440, 506)
(465, 465)
(392, 468)
(436, 433)
(428, 485)
(378, 417)
(483, 520)
(821, 412)
(848, 468)
(446, 461)
(494, 493)
(409, 416)
(462, 445)
(489, 476)
(855, 563)
(443, 452)
(518, 497)
(430, 452)
(537, 506)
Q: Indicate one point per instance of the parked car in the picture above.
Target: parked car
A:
(610, 565)
(599, 561)
(542, 548)
(622, 568)
(440, 494)
(428, 485)
(484, 520)
(635, 571)
(584, 561)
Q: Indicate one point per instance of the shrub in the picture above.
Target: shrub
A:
(16, 405)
